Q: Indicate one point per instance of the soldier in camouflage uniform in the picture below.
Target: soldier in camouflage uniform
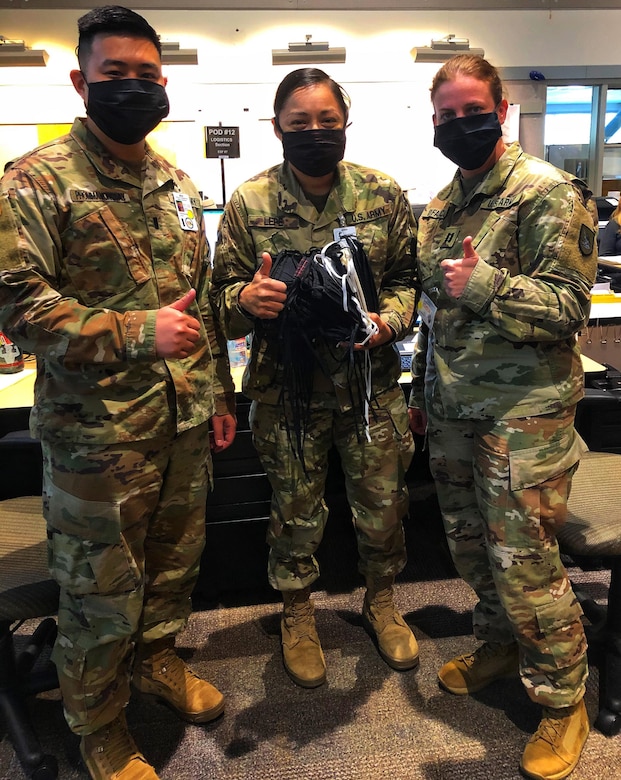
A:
(104, 274)
(507, 257)
(305, 202)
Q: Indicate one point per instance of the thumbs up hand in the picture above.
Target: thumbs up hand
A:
(264, 297)
(176, 332)
(458, 272)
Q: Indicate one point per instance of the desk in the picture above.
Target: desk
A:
(613, 261)
(600, 339)
(17, 398)
(17, 390)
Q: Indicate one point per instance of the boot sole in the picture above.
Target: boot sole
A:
(394, 663)
(189, 717)
(301, 681)
(557, 776)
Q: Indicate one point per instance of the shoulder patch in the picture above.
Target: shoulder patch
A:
(586, 240)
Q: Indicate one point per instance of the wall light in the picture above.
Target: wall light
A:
(443, 49)
(172, 54)
(16, 53)
(308, 53)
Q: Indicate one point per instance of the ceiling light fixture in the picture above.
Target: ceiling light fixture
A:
(16, 54)
(172, 54)
(443, 49)
(308, 53)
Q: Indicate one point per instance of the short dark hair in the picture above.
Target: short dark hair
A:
(308, 77)
(111, 20)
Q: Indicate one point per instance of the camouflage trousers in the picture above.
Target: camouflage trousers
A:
(374, 482)
(126, 529)
(503, 488)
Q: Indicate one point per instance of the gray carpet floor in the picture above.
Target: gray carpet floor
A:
(367, 723)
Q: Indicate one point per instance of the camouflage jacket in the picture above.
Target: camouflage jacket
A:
(89, 251)
(269, 213)
(507, 347)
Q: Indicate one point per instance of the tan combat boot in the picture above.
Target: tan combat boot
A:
(395, 641)
(159, 672)
(301, 649)
(110, 753)
(554, 749)
(474, 671)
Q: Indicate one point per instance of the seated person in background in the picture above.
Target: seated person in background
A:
(610, 236)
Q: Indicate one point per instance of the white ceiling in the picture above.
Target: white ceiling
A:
(328, 5)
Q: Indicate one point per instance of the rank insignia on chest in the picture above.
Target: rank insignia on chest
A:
(586, 240)
(449, 240)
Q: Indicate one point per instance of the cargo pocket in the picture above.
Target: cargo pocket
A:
(561, 632)
(88, 553)
(539, 481)
(394, 403)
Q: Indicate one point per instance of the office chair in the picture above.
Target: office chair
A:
(26, 591)
(593, 533)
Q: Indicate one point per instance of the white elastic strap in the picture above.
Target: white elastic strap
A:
(367, 373)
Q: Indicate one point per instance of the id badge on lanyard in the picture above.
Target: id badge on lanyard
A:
(427, 310)
(341, 232)
(185, 211)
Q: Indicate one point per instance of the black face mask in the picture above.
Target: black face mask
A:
(468, 141)
(126, 110)
(314, 152)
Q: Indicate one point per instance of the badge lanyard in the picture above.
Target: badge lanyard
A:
(343, 229)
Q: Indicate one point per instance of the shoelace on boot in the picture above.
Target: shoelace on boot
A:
(486, 650)
(168, 662)
(550, 728)
(116, 746)
(300, 616)
(383, 601)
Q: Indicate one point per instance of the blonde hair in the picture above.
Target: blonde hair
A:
(469, 65)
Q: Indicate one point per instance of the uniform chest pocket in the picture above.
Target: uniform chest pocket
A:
(498, 246)
(103, 259)
(274, 240)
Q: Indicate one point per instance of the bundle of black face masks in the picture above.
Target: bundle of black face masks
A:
(329, 294)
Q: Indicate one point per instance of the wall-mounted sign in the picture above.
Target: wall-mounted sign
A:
(222, 142)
